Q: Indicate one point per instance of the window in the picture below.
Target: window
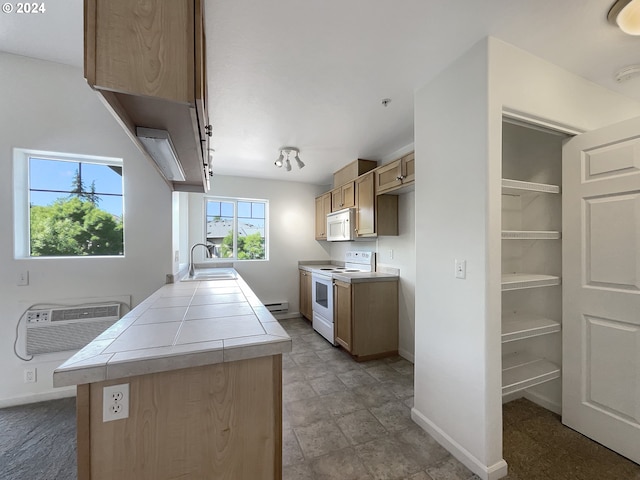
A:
(67, 205)
(236, 228)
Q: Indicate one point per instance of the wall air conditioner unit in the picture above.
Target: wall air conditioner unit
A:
(280, 307)
(68, 328)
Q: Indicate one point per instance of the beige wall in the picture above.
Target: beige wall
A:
(48, 106)
(291, 233)
(458, 122)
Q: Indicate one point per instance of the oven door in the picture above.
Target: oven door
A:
(322, 296)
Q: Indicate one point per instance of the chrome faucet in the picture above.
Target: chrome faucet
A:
(191, 268)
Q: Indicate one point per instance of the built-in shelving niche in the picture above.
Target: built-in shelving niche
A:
(531, 262)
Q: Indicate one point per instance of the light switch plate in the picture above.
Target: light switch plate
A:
(461, 269)
(23, 278)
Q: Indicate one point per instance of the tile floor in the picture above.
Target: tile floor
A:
(347, 420)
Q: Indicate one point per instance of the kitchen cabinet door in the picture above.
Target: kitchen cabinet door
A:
(305, 294)
(141, 51)
(343, 197)
(409, 168)
(365, 213)
(389, 176)
(323, 207)
(342, 314)
(366, 318)
(396, 175)
(375, 214)
(349, 195)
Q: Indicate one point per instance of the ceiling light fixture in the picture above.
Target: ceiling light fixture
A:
(626, 15)
(160, 147)
(278, 163)
(298, 161)
(283, 159)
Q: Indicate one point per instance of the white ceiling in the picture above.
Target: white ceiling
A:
(312, 74)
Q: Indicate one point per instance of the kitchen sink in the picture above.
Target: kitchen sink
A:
(205, 274)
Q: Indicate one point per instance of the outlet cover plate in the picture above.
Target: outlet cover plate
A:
(115, 402)
(30, 375)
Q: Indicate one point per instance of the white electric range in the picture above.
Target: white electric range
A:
(322, 289)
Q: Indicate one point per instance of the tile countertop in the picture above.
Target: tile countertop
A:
(182, 325)
(388, 275)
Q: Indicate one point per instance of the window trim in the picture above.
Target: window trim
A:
(235, 201)
(21, 220)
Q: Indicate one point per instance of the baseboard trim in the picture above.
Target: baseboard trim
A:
(39, 397)
(543, 401)
(407, 355)
(285, 316)
(485, 472)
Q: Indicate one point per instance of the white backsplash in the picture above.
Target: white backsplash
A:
(338, 249)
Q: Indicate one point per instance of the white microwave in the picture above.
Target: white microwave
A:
(341, 225)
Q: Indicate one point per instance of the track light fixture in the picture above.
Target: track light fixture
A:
(283, 159)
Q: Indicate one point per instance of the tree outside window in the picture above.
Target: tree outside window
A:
(75, 208)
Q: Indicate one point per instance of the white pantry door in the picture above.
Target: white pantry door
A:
(601, 286)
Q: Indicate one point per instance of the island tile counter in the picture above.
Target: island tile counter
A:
(203, 364)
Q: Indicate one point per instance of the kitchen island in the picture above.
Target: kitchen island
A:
(203, 364)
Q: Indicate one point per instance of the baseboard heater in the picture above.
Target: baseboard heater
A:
(281, 307)
(69, 328)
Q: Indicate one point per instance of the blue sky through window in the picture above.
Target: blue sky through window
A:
(55, 178)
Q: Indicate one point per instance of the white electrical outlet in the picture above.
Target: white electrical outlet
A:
(115, 402)
(30, 375)
(461, 268)
(390, 254)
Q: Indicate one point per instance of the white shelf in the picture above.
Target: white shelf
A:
(527, 326)
(516, 187)
(518, 281)
(522, 370)
(530, 235)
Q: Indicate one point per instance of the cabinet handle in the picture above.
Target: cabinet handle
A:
(401, 177)
(208, 129)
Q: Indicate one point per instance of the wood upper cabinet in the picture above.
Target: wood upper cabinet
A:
(342, 306)
(365, 213)
(375, 215)
(146, 59)
(366, 318)
(397, 174)
(323, 207)
(409, 168)
(389, 176)
(343, 197)
(305, 294)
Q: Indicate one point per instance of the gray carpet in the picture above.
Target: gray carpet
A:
(38, 441)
